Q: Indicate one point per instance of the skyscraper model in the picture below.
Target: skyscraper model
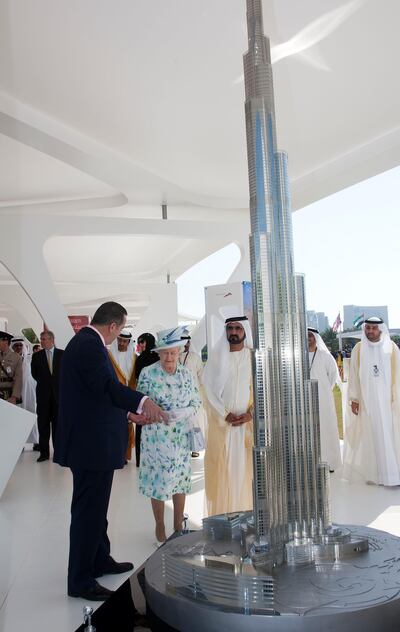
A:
(290, 483)
(284, 563)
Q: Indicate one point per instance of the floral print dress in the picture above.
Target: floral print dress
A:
(165, 450)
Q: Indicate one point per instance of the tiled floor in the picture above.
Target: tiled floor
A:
(34, 521)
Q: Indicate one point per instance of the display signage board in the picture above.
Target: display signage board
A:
(223, 301)
(78, 322)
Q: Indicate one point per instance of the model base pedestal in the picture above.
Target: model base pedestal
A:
(361, 592)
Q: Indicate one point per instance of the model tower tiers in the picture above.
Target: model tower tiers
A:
(291, 485)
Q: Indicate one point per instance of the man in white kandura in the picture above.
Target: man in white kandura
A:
(228, 463)
(372, 440)
(193, 362)
(123, 358)
(21, 346)
(323, 368)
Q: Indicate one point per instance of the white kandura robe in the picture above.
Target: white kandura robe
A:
(228, 463)
(324, 369)
(193, 362)
(28, 395)
(372, 440)
(124, 359)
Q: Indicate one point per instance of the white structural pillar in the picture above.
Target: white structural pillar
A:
(242, 270)
(26, 313)
(21, 246)
(162, 311)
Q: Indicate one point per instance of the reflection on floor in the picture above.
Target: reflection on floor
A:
(34, 521)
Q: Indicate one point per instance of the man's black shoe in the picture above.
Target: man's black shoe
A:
(36, 447)
(42, 458)
(115, 568)
(96, 593)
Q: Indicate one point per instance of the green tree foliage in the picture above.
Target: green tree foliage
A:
(330, 339)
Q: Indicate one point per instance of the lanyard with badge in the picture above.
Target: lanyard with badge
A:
(313, 358)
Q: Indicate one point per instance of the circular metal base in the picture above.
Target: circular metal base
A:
(359, 593)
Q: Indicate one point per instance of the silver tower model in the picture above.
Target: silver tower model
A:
(284, 563)
(290, 483)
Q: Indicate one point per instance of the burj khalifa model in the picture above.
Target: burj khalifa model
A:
(283, 566)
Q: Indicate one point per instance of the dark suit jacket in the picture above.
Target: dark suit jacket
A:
(47, 384)
(92, 431)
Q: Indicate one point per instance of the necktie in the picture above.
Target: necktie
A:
(50, 360)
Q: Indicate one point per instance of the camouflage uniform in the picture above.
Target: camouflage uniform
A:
(10, 375)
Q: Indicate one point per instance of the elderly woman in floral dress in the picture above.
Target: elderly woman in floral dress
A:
(165, 463)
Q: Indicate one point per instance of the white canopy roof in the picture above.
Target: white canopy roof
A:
(110, 109)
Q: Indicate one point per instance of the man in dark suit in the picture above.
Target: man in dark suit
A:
(92, 435)
(45, 369)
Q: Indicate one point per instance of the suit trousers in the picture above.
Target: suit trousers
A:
(47, 418)
(89, 552)
(138, 437)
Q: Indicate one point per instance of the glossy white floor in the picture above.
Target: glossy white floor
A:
(34, 521)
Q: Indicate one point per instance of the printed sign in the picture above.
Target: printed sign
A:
(78, 322)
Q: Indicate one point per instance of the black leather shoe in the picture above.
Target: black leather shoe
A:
(141, 621)
(96, 593)
(42, 458)
(115, 568)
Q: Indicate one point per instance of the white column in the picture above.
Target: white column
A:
(162, 311)
(25, 313)
(242, 270)
(21, 247)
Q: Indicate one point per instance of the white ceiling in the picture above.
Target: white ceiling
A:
(141, 103)
(128, 257)
(28, 175)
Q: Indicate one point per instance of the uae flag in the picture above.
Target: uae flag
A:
(358, 321)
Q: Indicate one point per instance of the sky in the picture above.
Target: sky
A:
(347, 245)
